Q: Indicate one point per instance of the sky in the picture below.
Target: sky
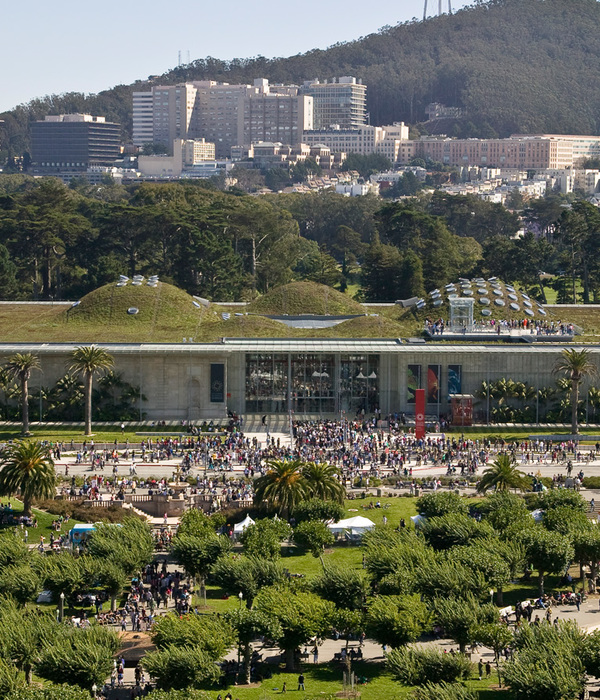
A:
(82, 46)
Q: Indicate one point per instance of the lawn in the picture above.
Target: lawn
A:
(341, 554)
(325, 680)
(44, 527)
(106, 434)
(103, 433)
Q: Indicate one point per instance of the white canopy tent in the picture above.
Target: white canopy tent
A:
(355, 526)
(238, 528)
(418, 520)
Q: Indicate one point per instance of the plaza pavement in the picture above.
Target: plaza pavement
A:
(167, 468)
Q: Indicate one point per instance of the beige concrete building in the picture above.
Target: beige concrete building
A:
(237, 115)
(186, 154)
(534, 152)
(386, 140)
(223, 114)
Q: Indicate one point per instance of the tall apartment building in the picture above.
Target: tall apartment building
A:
(143, 118)
(237, 115)
(274, 117)
(342, 102)
(74, 142)
(164, 114)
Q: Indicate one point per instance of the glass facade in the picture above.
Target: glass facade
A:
(266, 383)
(312, 383)
(359, 383)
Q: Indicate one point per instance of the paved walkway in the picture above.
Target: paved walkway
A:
(588, 618)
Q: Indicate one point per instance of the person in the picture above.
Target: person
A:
(122, 428)
(488, 669)
(284, 687)
(315, 654)
(592, 505)
(301, 682)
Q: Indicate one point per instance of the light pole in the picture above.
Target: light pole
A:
(61, 606)
(241, 597)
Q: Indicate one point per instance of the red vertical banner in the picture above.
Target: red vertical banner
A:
(420, 413)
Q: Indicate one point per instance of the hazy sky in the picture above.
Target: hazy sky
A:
(76, 45)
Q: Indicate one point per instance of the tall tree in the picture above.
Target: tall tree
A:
(283, 486)
(503, 475)
(89, 360)
(575, 365)
(20, 366)
(323, 481)
(27, 467)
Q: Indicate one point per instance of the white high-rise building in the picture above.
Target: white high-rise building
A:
(342, 101)
(143, 118)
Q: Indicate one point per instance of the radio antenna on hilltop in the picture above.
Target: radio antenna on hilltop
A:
(440, 11)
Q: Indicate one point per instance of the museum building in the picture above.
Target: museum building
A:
(310, 377)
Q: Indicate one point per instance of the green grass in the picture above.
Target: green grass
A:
(305, 298)
(101, 435)
(517, 433)
(44, 523)
(341, 554)
(325, 680)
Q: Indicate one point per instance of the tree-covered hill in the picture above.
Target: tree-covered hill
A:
(513, 65)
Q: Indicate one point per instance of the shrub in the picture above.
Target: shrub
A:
(433, 505)
(444, 691)
(317, 509)
(419, 665)
(313, 536)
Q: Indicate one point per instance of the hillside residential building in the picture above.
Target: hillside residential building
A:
(74, 142)
(534, 152)
(386, 140)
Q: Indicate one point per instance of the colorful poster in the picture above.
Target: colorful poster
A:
(413, 381)
(454, 379)
(420, 414)
(433, 383)
(217, 383)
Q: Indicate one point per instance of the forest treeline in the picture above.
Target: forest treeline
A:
(59, 242)
(514, 66)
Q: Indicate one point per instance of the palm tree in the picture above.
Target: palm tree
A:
(89, 360)
(575, 365)
(503, 476)
(283, 486)
(19, 366)
(27, 467)
(322, 481)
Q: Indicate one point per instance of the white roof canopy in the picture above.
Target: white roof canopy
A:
(240, 527)
(357, 525)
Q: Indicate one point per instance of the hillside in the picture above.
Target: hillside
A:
(514, 65)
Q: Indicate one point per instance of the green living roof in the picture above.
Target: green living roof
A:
(167, 314)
